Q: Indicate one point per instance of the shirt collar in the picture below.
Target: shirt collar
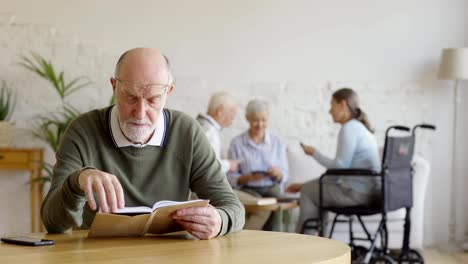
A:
(211, 120)
(121, 141)
(248, 140)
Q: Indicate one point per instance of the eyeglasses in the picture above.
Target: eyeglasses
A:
(151, 86)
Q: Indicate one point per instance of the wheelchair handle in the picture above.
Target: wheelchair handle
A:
(425, 126)
(403, 128)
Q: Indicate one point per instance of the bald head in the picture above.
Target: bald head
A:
(146, 61)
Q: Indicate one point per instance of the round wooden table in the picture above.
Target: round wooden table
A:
(242, 247)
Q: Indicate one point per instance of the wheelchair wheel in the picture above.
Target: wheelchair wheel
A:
(382, 260)
(411, 256)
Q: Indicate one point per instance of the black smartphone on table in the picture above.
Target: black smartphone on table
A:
(27, 241)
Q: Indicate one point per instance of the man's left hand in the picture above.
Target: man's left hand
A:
(276, 173)
(202, 222)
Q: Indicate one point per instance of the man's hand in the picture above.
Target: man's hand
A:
(276, 173)
(202, 222)
(107, 188)
(233, 165)
(243, 179)
(294, 188)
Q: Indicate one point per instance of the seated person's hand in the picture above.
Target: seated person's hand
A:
(233, 165)
(309, 150)
(275, 173)
(243, 179)
(201, 222)
(294, 188)
(106, 187)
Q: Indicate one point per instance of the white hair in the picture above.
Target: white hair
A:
(221, 99)
(256, 106)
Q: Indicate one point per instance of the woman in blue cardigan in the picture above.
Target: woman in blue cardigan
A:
(357, 148)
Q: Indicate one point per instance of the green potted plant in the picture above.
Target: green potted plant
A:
(50, 127)
(7, 105)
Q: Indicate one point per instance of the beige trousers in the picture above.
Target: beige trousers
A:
(253, 220)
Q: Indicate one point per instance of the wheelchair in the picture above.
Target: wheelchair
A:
(396, 192)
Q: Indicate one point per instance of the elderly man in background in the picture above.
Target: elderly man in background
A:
(137, 153)
(222, 109)
(264, 166)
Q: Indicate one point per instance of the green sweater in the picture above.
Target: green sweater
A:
(184, 162)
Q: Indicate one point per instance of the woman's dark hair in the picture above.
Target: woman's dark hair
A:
(352, 100)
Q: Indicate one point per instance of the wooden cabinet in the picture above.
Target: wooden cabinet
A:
(30, 160)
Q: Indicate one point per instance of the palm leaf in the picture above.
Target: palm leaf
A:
(51, 128)
(7, 102)
(77, 87)
(45, 69)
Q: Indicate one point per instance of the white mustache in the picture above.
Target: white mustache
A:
(137, 122)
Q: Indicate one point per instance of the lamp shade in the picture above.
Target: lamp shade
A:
(454, 64)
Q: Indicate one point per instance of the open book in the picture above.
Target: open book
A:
(137, 221)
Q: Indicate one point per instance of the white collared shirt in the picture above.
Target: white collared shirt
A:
(121, 141)
(212, 131)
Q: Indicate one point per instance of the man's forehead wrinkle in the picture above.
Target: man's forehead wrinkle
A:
(139, 92)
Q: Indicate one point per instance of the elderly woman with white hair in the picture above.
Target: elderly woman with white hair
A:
(263, 163)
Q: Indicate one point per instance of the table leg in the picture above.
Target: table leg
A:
(41, 189)
(41, 196)
(32, 195)
(287, 220)
(279, 220)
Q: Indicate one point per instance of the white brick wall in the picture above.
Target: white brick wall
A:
(293, 54)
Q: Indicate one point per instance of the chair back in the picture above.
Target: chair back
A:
(397, 171)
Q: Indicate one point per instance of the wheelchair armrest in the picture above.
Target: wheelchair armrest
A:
(348, 173)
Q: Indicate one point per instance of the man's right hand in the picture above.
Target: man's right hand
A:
(107, 188)
(294, 188)
(243, 179)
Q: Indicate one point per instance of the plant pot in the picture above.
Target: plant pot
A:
(6, 133)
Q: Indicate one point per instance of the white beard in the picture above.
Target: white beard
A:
(137, 134)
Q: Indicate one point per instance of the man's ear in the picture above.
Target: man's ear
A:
(113, 83)
(171, 88)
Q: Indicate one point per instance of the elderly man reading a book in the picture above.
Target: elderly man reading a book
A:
(136, 153)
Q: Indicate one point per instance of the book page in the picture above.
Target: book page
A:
(148, 210)
(134, 210)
